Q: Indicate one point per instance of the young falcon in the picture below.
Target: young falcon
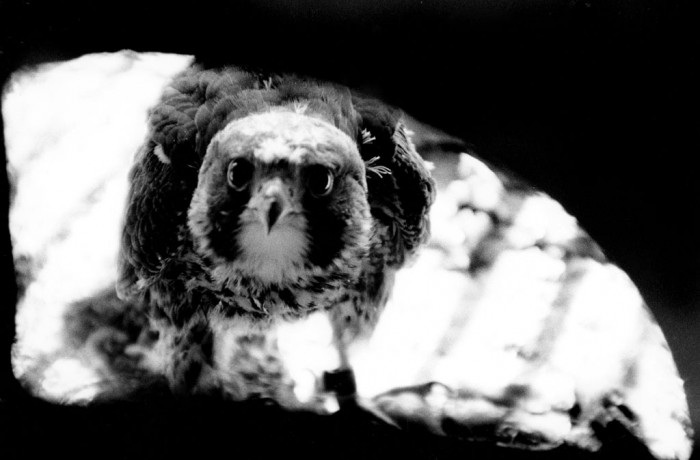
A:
(257, 200)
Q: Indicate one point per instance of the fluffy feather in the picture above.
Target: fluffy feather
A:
(199, 254)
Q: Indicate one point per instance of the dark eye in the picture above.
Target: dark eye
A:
(319, 180)
(240, 173)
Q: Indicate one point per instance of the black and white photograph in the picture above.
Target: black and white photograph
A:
(400, 229)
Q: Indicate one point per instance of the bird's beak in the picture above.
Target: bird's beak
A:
(274, 202)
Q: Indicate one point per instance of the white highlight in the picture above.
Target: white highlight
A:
(158, 150)
(367, 137)
(480, 186)
(273, 149)
(68, 380)
(540, 218)
(307, 349)
(71, 131)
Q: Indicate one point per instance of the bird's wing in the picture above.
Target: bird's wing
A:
(400, 188)
(191, 111)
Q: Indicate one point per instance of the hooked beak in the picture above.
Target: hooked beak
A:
(273, 213)
(274, 202)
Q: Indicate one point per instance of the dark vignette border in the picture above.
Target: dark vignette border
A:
(593, 101)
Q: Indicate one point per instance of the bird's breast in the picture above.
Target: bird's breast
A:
(275, 256)
(265, 304)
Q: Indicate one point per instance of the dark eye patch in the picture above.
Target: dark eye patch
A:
(326, 218)
(226, 204)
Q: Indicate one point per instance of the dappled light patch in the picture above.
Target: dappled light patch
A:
(509, 326)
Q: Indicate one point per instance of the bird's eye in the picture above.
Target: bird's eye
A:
(240, 173)
(320, 180)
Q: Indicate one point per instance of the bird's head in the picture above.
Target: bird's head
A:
(280, 194)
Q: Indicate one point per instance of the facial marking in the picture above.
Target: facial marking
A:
(277, 148)
(287, 135)
(274, 229)
(276, 255)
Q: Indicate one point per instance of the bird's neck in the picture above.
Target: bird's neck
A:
(309, 291)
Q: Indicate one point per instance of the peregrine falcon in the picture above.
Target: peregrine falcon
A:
(259, 199)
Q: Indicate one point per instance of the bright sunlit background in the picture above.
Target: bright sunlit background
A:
(509, 294)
